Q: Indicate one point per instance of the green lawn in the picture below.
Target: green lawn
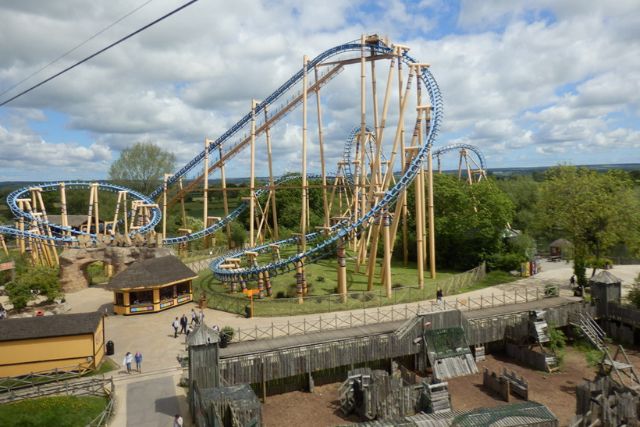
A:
(492, 278)
(322, 283)
(59, 411)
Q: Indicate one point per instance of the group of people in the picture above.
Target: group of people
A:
(183, 325)
(129, 358)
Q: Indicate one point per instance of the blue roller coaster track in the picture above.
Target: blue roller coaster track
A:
(456, 147)
(323, 242)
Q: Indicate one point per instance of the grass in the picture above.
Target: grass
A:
(322, 283)
(108, 365)
(59, 411)
(495, 277)
(593, 356)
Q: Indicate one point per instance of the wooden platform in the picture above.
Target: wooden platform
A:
(280, 343)
(292, 341)
(520, 308)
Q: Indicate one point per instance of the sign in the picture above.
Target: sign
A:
(141, 308)
(7, 266)
(184, 298)
(166, 304)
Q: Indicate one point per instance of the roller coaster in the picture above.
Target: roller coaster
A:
(364, 202)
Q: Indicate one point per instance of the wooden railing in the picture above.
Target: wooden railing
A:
(385, 314)
(11, 384)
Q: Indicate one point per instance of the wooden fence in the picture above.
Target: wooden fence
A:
(352, 300)
(388, 314)
(11, 384)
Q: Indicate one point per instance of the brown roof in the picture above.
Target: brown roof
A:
(58, 325)
(152, 272)
(560, 243)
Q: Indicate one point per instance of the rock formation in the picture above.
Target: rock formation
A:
(74, 262)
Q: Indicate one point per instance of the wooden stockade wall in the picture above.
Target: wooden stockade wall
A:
(527, 356)
(604, 401)
(481, 330)
(255, 367)
(496, 384)
(260, 366)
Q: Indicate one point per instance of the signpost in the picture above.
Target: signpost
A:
(250, 293)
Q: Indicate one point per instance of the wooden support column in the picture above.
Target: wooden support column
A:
(432, 227)
(164, 205)
(63, 207)
(225, 200)
(4, 246)
(361, 255)
(342, 270)
(252, 179)
(419, 200)
(325, 204)
(386, 218)
(272, 189)
(404, 209)
(205, 186)
(305, 190)
(96, 210)
(49, 245)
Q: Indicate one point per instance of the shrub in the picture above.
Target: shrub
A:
(19, 295)
(505, 262)
(598, 263)
(634, 293)
(228, 331)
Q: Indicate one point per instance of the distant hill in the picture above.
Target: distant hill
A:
(497, 172)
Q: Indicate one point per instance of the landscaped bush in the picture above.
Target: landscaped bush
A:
(505, 262)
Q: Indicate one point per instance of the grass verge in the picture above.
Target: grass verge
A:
(59, 411)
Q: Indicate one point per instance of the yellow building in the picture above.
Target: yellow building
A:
(63, 341)
(152, 285)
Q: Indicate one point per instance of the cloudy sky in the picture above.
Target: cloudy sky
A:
(529, 83)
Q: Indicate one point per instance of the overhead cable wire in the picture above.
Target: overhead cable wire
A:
(99, 52)
(76, 47)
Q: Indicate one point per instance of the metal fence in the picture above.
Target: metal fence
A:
(386, 314)
(350, 301)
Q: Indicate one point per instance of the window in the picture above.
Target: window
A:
(167, 293)
(141, 297)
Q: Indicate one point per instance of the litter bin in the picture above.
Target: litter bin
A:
(110, 348)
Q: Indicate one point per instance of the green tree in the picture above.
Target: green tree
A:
(469, 219)
(593, 210)
(142, 167)
(523, 191)
(33, 281)
(634, 293)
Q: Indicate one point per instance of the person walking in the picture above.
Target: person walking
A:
(138, 358)
(572, 281)
(176, 326)
(128, 358)
(183, 324)
(177, 421)
(201, 316)
(194, 317)
(439, 295)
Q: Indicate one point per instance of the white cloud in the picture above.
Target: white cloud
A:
(516, 78)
